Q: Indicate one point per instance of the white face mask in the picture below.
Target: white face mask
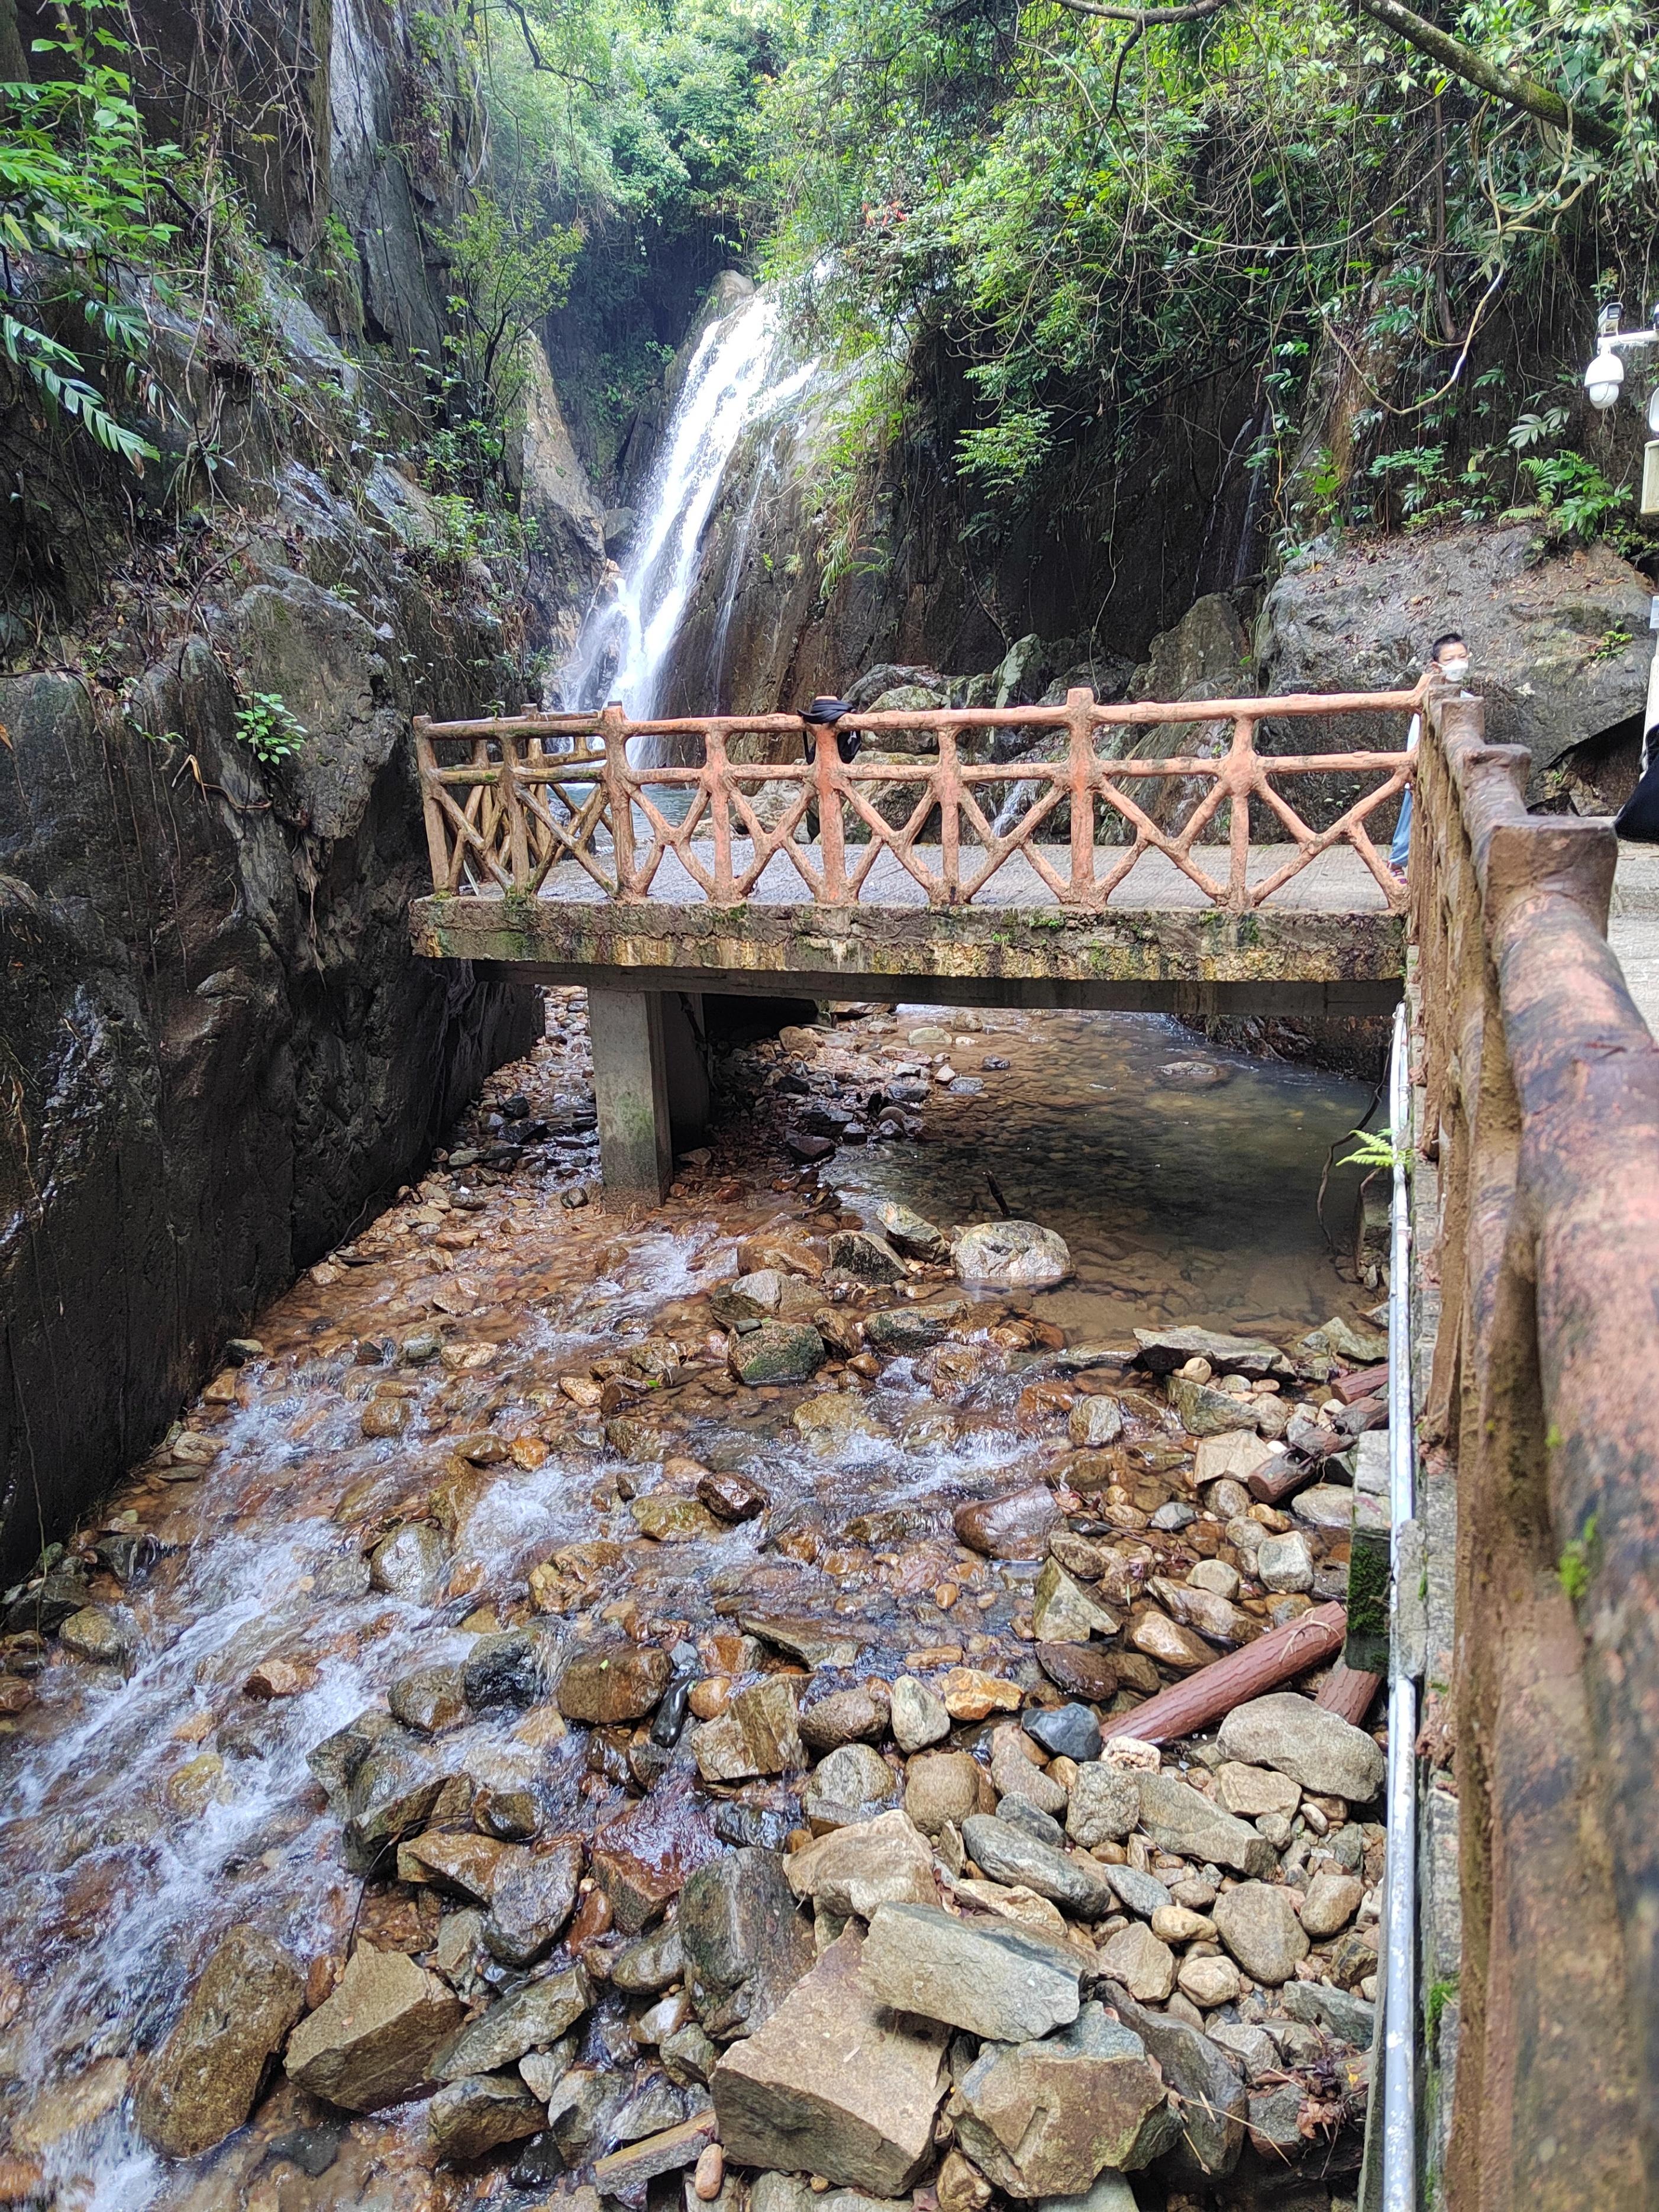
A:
(1455, 667)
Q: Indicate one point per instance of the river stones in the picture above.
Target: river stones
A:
(918, 1717)
(1258, 1924)
(1063, 1611)
(1325, 1754)
(731, 1497)
(885, 1861)
(777, 1351)
(867, 1259)
(1044, 2118)
(1010, 1255)
(996, 1981)
(533, 1896)
(469, 2117)
(1007, 1854)
(604, 1684)
(835, 2083)
(1180, 1819)
(901, 1332)
(1164, 1349)
(745, 1944)
(1015, 1526)
(372, 2042)
(908, 1233)
(505, 1669)
(1065, 1731)
(855, 1715)
(201, 2085)
(1145, 1965)
(1082, 1670)
(1251, 1792)
(1095, 1422)
(532, 2018)
(410, 1563)
(1104, 1805)
(428, 1699)
(941, 1786)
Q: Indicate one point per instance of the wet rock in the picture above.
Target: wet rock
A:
(580, 2110)
(690, 2054)
(917, 1717)
(994, 1981)
(667, 1518)
(1213, 2103)
(1081, 1670)
(507, 1670)
(1095, 1422)
(867, 1259)
(1330, 1506)
(1211, 1615)
(1111, 2193)
(1331, 1902)
(941, 1786)
(642, 1860)
(656, 2104)
(745, 1944)
(1163, 1351)
(1179, 1818)
(1076, 1885)
(757, 1734)
(1010, 1255)
(835, 2082)
(201, 2085)
(1285, 1563)
(858, 1715)
(750, 1298)
(409, 1564)
(335, 1761)
(908, 1233)
(605, 1684)
(1062, 1611)
(392, 1793)
(901, 1332)
(1258, 1924)
(1104, 1805)
(1015, 1774)
(624, 2176)
(428, 1699)
(828, 1423)
(849, 1785)
(777, 1351)
(829, 1644)
(469, 2117)
(1361, 1347)
(650, 1964)
(455, 1859)
(731, 1497)
(1045, 2118)
(96, 1636)
(1140, 1960)
(532, 1899)
(1319, 1749)
(1031, 1819)
(1065, 1731)
(373, 2042)
(1235, 1455)
(1015, 1526)
(1203, 1410)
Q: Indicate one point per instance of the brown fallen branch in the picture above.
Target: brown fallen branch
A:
(1364, 1383)
(1281, 1478)
(1348, 1693)
(1212, 1692)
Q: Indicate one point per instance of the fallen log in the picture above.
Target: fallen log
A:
(1348, 1692)
(1364, 1382)
(1214, 1691)
(1281, 1478)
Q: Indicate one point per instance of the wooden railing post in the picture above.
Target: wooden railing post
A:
(437, 843)
(714, 767)
(832, 844)
(619, 790)
(1080, 761)
(947, 784)
(1238, 775)
(518, 839)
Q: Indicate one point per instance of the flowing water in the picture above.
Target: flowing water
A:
(739, 366)
(145, 1807)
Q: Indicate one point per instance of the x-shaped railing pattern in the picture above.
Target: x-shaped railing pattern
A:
(515, 806)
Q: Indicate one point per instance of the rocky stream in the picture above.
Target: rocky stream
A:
(600, 1707)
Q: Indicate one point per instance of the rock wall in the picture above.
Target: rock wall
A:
(217, 1051)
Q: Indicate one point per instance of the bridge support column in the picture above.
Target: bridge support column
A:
(650, 1085)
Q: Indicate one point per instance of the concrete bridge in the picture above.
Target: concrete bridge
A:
(1124, 881)
(1523, 1997)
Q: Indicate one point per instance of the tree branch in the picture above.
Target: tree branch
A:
(1522, 92)
(1515, 91)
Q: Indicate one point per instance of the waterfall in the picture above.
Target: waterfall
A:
(626, 640)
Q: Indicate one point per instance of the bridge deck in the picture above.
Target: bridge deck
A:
(1325, 943)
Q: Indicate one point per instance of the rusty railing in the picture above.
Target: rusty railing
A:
(1537, 1120)
(505, 808)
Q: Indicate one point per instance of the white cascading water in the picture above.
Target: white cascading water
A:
(737, 372)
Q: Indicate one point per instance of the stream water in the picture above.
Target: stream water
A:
(148, 1800)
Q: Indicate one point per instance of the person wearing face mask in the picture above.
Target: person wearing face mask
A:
(1449, 656)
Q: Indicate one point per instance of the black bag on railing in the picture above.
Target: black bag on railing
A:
(1637, 819)
(830, 711)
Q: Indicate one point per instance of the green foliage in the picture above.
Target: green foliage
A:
(267, 728)
(506, 275)
(1578, 1563)
(1440, 1995)
(78, 194)
(1375, 1149)
(1574, 492)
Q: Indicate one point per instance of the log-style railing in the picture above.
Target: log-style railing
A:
(509, 798)
(1538, 1128)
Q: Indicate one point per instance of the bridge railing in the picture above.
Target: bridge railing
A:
(508, 799)
(1538, 1132)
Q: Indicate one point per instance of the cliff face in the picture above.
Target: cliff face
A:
(217, 1053)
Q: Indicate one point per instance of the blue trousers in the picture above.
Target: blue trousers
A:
(1400, 851)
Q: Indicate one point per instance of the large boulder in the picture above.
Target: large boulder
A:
(1044, 2118)
(1558, 643)
(375, 2040)
(202, 2083)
